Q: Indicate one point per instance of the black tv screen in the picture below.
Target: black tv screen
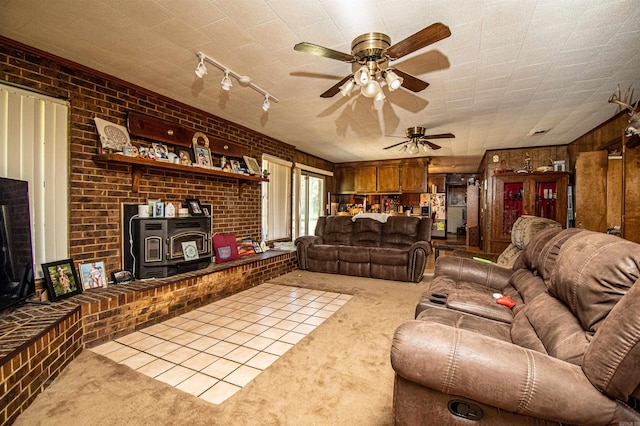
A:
(16, 253)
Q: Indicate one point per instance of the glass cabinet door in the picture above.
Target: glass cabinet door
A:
(513, 205)
(545, 202)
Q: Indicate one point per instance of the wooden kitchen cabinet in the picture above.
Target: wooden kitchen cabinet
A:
(388, 178)
(345, 180)
(542, 194)
(413, 177)
(366, 179)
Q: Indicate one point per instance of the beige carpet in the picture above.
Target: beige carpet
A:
(340, 374)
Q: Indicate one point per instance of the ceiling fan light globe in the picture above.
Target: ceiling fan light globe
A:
(362, 76)
(378, 101)
(371, 89)
(393, 81)
(413, 149)
(347, 87)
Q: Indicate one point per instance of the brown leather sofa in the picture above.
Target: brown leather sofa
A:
(568, 352)
(396, 249)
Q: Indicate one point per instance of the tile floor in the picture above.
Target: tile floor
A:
(213, 351)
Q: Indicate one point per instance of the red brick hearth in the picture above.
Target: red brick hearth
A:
(38, 341)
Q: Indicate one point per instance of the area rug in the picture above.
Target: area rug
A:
(339, 374)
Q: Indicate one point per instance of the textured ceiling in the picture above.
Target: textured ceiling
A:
(509, 67)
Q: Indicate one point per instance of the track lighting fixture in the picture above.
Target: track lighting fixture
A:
(226, 84)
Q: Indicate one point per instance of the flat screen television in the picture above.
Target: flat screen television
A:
(16, 252)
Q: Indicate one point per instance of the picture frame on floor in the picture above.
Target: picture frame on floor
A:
(61, 278)
(93, 275)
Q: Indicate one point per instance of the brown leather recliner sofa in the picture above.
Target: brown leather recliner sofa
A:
(396, 249)
(568, 352)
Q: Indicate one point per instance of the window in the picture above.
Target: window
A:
(310, 196)
(33, 146)
(276, 199)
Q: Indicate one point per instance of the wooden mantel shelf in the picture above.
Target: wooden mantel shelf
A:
(139, 163)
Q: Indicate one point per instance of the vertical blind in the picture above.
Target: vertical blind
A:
(34, 133)
(276, 199)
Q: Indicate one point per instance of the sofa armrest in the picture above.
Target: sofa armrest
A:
(484, 274)
(418, 253)
(497, 373)
(301, 248)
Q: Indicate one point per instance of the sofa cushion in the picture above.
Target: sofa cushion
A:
(354, 261)
(461, 321)
(543, 260)
(391, 257)
(400, 232)
(323, 258)
(527, 284)
(594, 271)
(612, 359)
(509, 256)
(528, 226)
(366, 233)
(555, 327)
(335, 229)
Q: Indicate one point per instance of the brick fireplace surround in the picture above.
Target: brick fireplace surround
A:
(38, 341)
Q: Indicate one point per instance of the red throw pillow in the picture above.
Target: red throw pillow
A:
(225, 247)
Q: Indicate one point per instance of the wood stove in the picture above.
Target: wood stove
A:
(156, 245)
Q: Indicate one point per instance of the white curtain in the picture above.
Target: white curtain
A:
(276, 199)
(34, 132)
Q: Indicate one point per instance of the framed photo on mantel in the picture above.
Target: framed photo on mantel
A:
(252, 165)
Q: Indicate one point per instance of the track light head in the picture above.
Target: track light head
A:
(226, 82)
(266, 105)
(201, 69)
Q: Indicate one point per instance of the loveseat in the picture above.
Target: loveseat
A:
(386, 247)
(568, 351)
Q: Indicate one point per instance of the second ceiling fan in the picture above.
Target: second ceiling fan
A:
(418, 139)
(374, 52)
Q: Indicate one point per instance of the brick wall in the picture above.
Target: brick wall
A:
(97, 189)
(32, 367)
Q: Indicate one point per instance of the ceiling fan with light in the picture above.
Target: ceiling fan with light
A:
(373, 52)
(417, 140)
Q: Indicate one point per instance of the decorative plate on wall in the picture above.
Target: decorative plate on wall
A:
(112, 136)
